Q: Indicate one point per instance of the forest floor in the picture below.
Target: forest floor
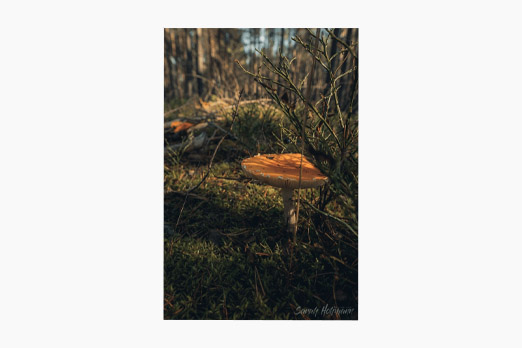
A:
(227, 252)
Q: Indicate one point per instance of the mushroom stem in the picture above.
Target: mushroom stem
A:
(289, 204)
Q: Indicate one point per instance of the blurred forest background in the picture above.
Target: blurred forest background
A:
(231, 94)
(201, 62)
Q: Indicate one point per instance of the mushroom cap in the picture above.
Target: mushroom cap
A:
(179, 126)
(282, 170)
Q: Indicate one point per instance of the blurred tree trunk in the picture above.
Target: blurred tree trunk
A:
(176, 72)
(200, 64)
(189, 68)
(168, 81)
(182, 58)
(280, 51)
(333, 50)
(317, 76)
(249, 87)
(212, 53)
(282, 45)
(220, 62)
(351, 79)
(344, 90)
(300, 61)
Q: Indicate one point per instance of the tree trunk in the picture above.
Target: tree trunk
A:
(351, 79)
(168, 84)
(333, 50)
(282, 46)
(176, 72)
(189, 70)
(211, 54)
(200, 65)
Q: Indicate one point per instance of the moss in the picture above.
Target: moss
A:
(228, 255)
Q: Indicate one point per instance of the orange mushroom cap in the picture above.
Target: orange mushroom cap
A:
(180, 126)
(282, 170)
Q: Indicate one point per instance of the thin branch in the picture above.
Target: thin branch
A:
(330, 216)
(341, 42)
(305, 116)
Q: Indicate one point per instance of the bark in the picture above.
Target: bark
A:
(169, 83)
(282, 45)
(177, 70)
(211, 64)
(189, 69)
(200, 65)
(351, 79)
(333, 50)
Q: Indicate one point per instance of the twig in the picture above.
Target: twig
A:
(305, 116)
(236, 179)
(181, 212)
(254, 101)
(341, 42)
(222, 129)
(331, 216)
(193, 195)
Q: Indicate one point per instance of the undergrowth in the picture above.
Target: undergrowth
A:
(227, 251)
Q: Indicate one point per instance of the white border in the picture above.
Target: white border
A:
(81, 174)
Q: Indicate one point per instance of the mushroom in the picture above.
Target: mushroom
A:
(178, 126)
(282, 170)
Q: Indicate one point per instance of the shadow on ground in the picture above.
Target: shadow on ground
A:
(228, 256)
